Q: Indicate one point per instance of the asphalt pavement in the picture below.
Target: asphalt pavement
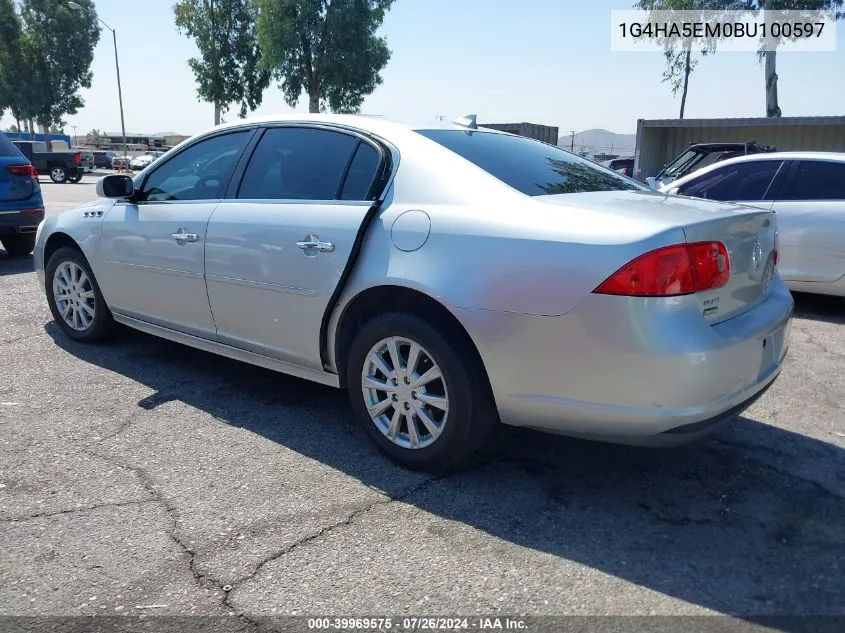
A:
(143, 477)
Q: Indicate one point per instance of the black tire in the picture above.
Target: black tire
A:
(471, 415)
(58, 174)
(75, 179)
(19, 245)
(102, 324)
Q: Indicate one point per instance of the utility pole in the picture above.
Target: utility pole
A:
(572, 141)
(75, 142)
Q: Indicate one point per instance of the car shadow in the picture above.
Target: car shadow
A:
(15, 265)
(819, 307)
(732, 523)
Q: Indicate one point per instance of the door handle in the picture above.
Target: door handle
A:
(315, 245)
(182, 236)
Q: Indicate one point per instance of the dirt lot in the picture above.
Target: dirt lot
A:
(146, 477)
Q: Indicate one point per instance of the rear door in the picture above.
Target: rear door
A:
(276, 251)
(811, 220)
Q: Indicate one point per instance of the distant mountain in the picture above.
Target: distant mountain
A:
(599, 141)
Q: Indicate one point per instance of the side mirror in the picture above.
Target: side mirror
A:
(115, 186)
(673, 191)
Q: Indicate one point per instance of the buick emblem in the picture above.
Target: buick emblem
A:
(757, 255)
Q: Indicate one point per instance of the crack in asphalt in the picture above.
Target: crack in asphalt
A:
(347, 520)
(109, 504)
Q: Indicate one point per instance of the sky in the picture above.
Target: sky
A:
(543, 61)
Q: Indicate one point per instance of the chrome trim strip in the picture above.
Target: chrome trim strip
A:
(155, 269)
(307, 292)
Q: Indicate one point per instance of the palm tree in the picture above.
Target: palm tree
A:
(94, 137)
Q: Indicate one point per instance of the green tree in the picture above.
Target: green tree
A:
(94, 137)
(57, 46)
(228, 70)
(327, 49)
(14, 88)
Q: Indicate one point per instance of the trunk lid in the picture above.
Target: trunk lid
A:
(748, 233)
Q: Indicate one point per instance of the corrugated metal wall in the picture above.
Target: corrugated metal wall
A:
(659, 145)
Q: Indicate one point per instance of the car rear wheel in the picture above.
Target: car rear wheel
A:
(74, 297)
(58, 174)
(419, 393)
(19, 245)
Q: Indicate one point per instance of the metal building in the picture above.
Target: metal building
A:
(546, 133)
(661, 140)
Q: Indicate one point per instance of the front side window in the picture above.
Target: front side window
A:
(529, 166)
(297, 163)
(740, 182)
(818, 180)
(200, 172)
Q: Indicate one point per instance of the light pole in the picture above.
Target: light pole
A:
(78, 7)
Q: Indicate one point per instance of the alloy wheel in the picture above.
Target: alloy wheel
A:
(405, 392)
(74, 296)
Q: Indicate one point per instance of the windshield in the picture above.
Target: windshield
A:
(529, 166)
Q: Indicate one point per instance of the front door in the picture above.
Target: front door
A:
(152, 255)
(275, 253)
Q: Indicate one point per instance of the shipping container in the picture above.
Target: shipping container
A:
(661, 140)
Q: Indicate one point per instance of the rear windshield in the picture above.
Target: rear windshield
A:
(7, 148)
(529, 166)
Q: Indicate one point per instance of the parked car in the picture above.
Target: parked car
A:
(103, 160)
(64, 166)
(624, 166)
(126, 158)
(448, 277)
(143, 161)
(701, 155)
(21, 204)
(807, 192)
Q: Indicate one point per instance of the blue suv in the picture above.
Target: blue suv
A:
(21, 204)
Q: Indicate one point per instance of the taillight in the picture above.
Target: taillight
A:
(680, 269)
(23, 170)
(776, 251)
(77, 158)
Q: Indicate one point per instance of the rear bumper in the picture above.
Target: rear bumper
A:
(16, 223)
(631, 370)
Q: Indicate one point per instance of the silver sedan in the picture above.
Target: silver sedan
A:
(451, 278)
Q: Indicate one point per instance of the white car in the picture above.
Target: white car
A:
(806, 190)
(144, 161)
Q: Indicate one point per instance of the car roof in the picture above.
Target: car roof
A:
(375, 124)
(795, 155)
(765, 156)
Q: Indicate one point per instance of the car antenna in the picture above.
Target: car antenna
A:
(468, 121)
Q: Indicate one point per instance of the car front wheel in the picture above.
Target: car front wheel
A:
(420, 394)
(74, 297)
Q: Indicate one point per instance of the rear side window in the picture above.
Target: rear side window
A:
(7, 148)
(818, 180)
(747, 181)
(529, 166)
(296, 163)
(361, 174)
